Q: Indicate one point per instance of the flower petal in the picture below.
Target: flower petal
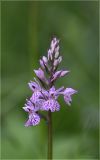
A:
(68, 99)
(35, 96)
(52, 105)
(33, 120)
(34, 86)
(70, 91)
(40, 74)
(67, 95)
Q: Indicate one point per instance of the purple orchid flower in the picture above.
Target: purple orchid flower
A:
(44, 94)
(51, 102)
(34, 119)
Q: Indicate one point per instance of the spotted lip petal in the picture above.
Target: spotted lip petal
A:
(30, 107)
(35, 96)
(52, 90)
(33, 120)
(68, 99)
(67, 95)
(51, 105)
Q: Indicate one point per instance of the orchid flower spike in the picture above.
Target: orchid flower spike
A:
(44, 94)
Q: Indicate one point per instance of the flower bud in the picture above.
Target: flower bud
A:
(59, 74)
(56, 75)
(42, 64)
(40, 74)
(49, 55)
(56, 62)
(60, 59)
(45, 60)
(63, 73)
(54, 44)
(57, 52)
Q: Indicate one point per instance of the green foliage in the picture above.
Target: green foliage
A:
(26, 31)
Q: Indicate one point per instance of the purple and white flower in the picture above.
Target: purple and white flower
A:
(34, 119)
(32, 110)
(51, 104)
(44, 94)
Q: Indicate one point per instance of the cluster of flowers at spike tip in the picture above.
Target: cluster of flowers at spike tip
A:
(44, 94)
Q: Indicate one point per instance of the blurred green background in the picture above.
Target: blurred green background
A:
(27, 28)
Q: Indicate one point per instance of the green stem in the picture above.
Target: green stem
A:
(49, 135)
